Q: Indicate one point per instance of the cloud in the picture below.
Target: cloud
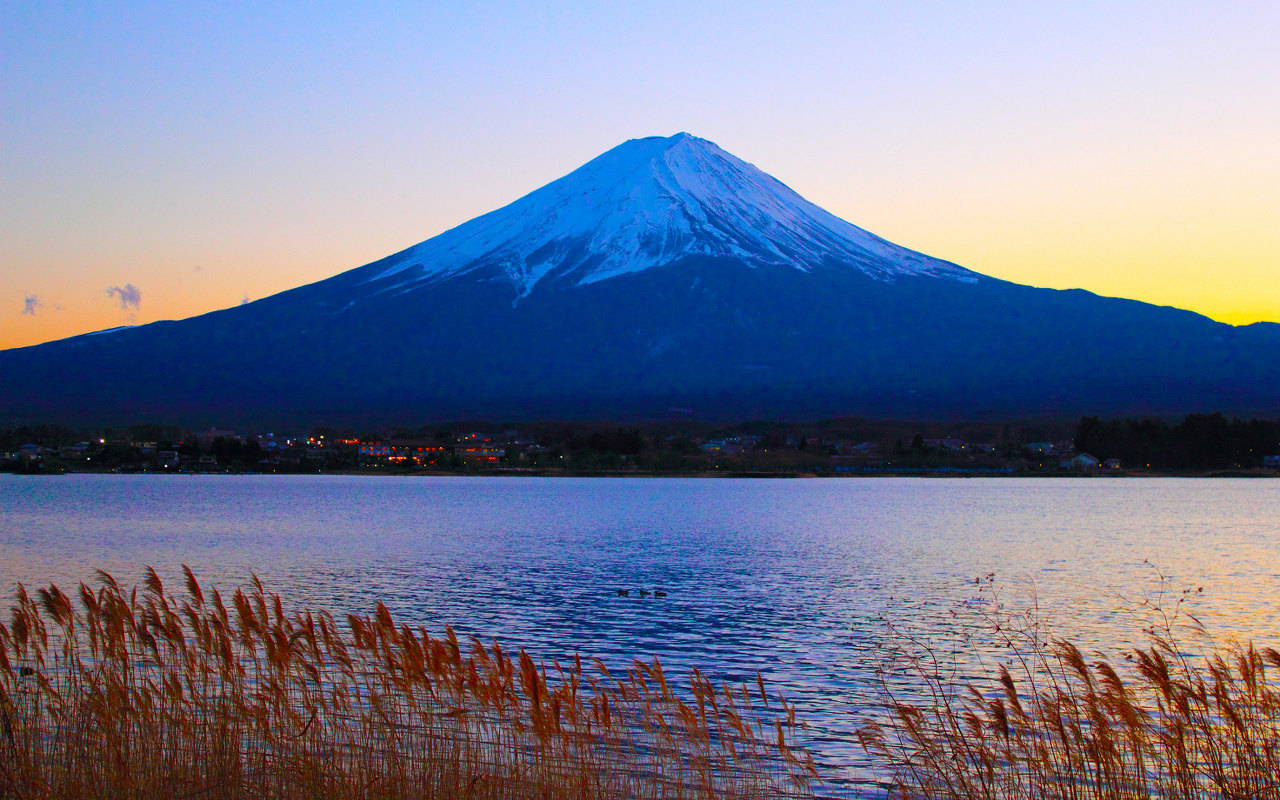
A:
(129, 296)
(244, 301)
(30, 305)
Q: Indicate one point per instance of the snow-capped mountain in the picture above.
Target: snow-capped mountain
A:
(650, 202)
(664, 274)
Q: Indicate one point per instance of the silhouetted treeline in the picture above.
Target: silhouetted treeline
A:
(43, 435)
(1200, 441)
(59, 435)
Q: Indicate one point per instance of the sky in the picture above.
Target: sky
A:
(162, 160)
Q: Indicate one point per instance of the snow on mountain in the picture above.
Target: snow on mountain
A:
(650, 202)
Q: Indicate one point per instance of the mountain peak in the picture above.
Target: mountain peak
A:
(683, 137)
(647, 203)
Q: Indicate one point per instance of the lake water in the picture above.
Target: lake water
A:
(813, 582)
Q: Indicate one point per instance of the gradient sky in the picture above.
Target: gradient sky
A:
(160, 160)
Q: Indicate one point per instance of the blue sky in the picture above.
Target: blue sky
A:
(203, 155)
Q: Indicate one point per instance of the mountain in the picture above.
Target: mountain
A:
(664, 277)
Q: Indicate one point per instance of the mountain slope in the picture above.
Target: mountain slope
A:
(664, 274)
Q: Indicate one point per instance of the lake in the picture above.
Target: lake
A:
(815, 583)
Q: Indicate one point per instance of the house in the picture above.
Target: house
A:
(415, 450)
(733, 445)
(374, 451)
(480, 453)
(74, 452)
(1111, 464)
(1084, 463)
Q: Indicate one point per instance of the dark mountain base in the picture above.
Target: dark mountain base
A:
(699, 339)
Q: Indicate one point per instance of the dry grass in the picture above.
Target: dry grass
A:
(140, 694)
(1158, 723)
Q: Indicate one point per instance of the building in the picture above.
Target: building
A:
(482, 453)
(1084, 463)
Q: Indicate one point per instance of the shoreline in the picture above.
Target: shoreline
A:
(717, 474)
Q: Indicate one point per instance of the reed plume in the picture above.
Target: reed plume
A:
(140, 693)
(1158, 723)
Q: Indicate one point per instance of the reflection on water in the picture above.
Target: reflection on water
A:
(811, 582)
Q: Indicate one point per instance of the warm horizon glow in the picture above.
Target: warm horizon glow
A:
(192, 160)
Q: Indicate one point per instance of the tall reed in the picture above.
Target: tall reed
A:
(139, 693)
(1054, 723)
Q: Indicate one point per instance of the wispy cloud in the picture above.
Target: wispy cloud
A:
(30, 305)
(244, 301)
(129, 296)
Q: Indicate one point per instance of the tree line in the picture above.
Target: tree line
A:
(1198, 442)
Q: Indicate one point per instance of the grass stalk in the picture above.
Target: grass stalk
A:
(142, 693)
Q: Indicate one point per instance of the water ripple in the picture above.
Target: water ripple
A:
(817, 584)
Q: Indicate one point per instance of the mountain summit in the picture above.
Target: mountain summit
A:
(663, 277)
(650, 202)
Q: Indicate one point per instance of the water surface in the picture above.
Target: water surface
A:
(813, 582)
